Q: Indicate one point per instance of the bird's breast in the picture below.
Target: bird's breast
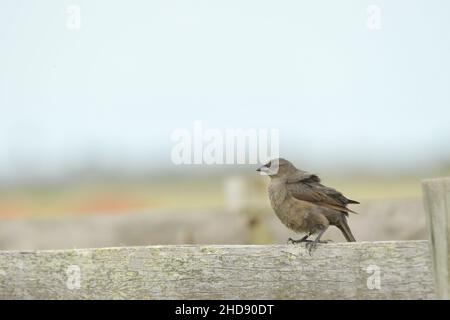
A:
(277, 195)
(293, 213)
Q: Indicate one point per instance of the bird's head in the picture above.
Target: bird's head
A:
(277, 168)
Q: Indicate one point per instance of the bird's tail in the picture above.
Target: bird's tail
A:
(345, 229)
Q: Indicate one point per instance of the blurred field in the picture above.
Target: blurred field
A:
(109, 198)
(184, 194)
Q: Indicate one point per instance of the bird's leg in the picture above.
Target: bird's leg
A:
(304, 239)
(312, 245)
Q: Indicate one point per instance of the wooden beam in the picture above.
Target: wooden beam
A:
(437, 205)
(362, 270)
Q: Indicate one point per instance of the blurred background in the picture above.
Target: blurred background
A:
(91, 92)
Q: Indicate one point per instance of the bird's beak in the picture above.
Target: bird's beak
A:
(259, 169)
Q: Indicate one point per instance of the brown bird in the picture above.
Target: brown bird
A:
(303, 204)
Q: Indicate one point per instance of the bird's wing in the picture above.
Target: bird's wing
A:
(307, 187)
(303, 176)
(333, 193)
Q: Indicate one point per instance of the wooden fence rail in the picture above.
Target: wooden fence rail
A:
(365, 270)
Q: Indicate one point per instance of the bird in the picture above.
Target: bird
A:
(304, 204)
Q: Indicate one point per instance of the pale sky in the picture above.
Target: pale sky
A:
(114, 90)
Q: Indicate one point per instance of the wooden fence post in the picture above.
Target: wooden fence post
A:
(436, 194)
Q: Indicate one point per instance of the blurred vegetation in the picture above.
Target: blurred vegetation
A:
(182, 193)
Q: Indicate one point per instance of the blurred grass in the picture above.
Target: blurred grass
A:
(184, 194)
(378, 188)
(109, 198)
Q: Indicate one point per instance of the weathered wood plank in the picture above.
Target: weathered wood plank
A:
(364, 270)
(437, 205)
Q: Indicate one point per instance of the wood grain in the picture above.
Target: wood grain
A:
(334, 271)
(436, 194)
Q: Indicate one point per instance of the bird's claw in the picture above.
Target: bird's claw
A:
(293, 241)
(311, 246)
